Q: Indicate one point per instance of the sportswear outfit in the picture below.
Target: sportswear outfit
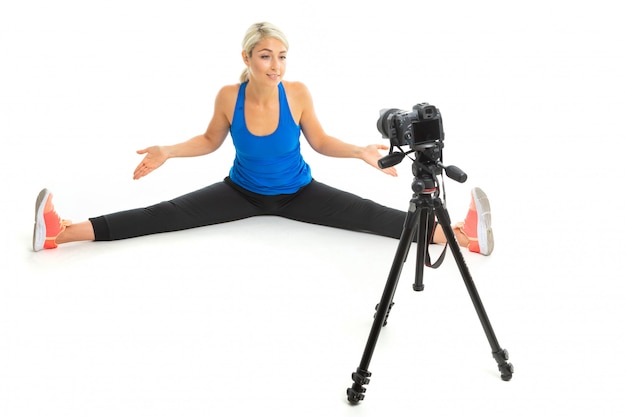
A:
(268, 177)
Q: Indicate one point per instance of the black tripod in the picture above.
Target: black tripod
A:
(424, 204)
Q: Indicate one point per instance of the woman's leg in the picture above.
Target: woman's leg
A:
(76, 232)
(321, 204)
(440, 237)
(217, 203)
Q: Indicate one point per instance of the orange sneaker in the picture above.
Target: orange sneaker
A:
(477, 225)
(48, 224)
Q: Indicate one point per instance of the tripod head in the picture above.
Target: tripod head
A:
(427, 166)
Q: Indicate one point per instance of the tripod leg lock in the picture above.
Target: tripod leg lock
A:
(386, 315)
(506, 368)
(357, 392)
(361, 376)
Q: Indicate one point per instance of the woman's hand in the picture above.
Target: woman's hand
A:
(371, 155)
(155, 157)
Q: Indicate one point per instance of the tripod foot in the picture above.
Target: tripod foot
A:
(357, 392)
(506, 368)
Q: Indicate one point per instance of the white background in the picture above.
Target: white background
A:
(271, 316)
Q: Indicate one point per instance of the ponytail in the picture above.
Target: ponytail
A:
(245, 76)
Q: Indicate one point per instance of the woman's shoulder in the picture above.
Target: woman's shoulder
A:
(227, 96)
(297, 92)
(228, 90)
(296, 87)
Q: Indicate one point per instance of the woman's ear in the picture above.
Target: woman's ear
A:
(244, 55)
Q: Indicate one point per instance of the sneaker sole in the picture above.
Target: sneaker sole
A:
(485, 233)
(39, 230)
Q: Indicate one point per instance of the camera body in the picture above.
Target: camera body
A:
(422, 130)
(422, 125)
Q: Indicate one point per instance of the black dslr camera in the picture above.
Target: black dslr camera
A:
(421, 126)
(422, 130)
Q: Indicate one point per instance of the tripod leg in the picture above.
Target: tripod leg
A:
(362, 376)
(500, 355)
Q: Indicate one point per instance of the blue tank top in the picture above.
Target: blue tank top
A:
(272, 164)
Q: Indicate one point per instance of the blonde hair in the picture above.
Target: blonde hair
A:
(254, 35)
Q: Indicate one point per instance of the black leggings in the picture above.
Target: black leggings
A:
(223, 202)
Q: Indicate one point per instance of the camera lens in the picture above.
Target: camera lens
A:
(384, 122)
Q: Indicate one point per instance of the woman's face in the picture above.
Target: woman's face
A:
(268, 62)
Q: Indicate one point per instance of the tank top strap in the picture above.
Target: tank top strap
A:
(286, 118)
(238, 116)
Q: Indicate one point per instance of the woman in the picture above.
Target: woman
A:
(265, 116)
